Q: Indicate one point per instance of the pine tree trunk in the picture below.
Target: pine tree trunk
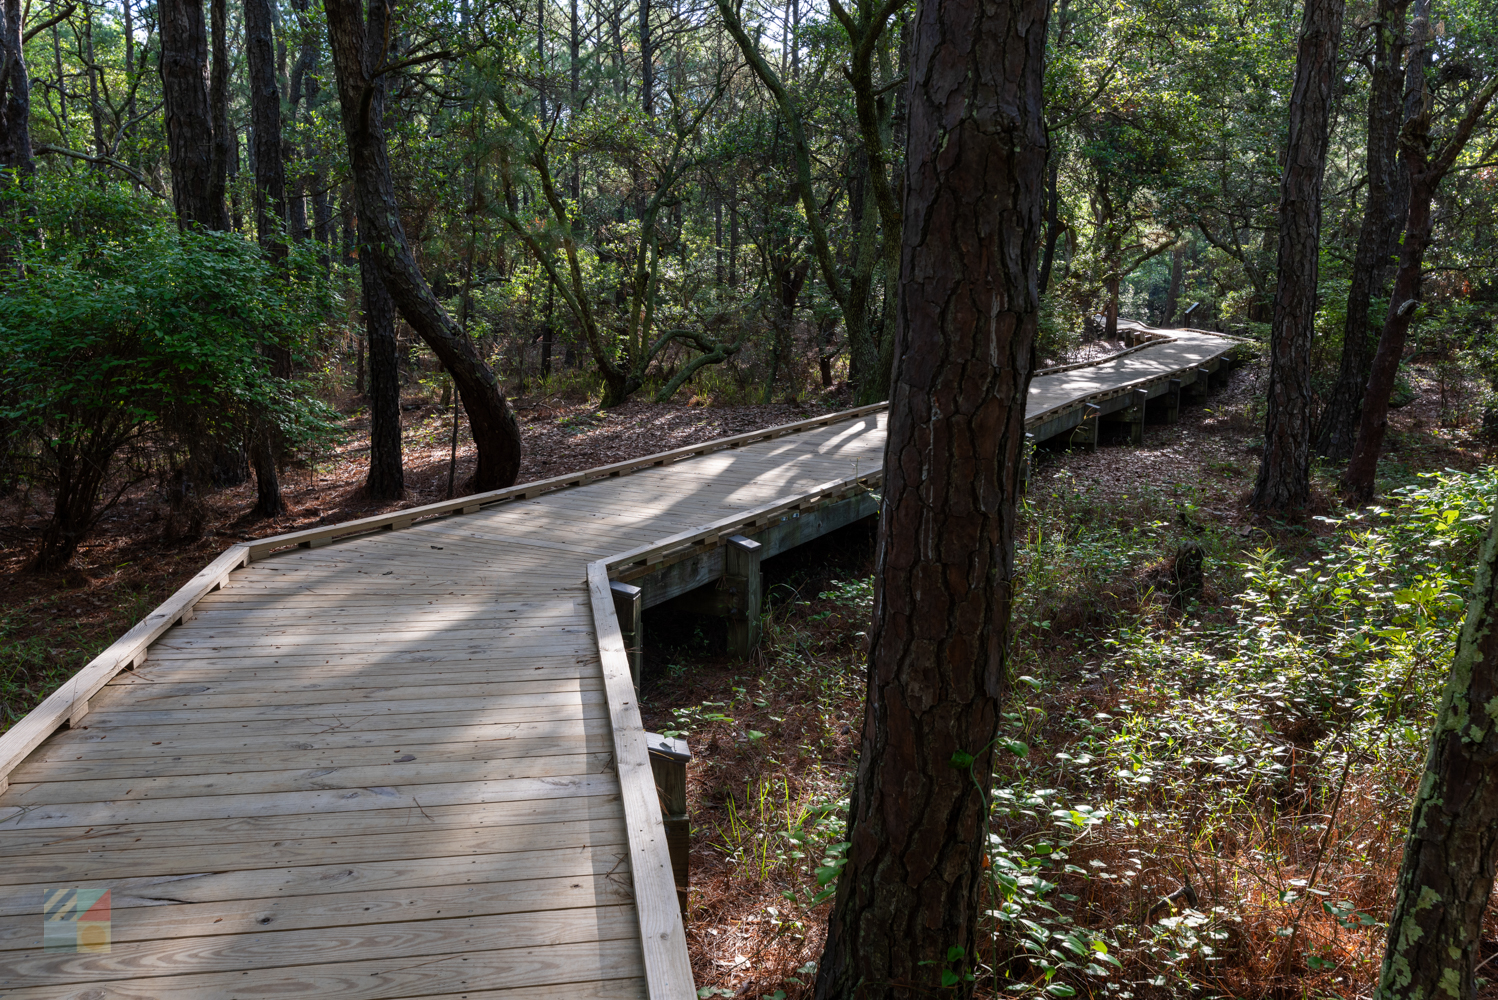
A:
(386, 479)
(1285, 470)
(1338, 427)
(188, 115)
(15, 94)
(218, 104)
(358, 49)
(1435, 932)
(964, 332)
(265, 119)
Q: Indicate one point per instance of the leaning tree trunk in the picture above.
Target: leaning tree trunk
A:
(386, 480)
(1285, 469)
(188, 115)
(1435, 933)
(359, 50)
(1338, 426)
(1425, 169)
(15, 94)
(965, 329)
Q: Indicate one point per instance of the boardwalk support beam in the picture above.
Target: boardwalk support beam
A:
(1134, 415)
(741, 558)
(630, 607)
(1173, 402)
(1201, 385)
(1087, 431)
(668, 760)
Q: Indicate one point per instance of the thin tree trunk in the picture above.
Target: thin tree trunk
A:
(1173, 295)
(1436, 930)
(127, 9)
(1285, 470)
(1054, 228)
(15, 94)
(647, 63)
(95, 109)
(1338, 428)
(1426, 170)
(218, 103)
(967, 316)
(358, 51)
(386, 480)
(188, 116)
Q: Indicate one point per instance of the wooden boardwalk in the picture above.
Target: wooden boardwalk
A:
(402, 763)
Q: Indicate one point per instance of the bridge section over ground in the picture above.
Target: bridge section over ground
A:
(402, 757)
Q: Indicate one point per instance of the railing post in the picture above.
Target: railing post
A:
(668, 761)
(630, 610)
(741, 558)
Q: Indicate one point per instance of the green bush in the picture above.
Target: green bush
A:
(125, 344)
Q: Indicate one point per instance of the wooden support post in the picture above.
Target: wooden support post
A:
(629, 607)
(1086, 432)
(741, 567)
(1173, 402)
(668, 761)
(1201, 385)
(1134, 415)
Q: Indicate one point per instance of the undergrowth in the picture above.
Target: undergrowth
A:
(1202, 795)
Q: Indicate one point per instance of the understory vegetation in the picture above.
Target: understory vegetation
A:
(1203, 791)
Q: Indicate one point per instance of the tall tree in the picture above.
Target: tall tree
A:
(15, 94)
(1426, 165)
(1446, 878)
(265, 121)
(386, 479)
(362, 64)
(966, 323)
(189, 117)
(1378, 237)
(1285, 469)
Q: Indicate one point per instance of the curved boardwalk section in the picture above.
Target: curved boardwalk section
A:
(355, 764)
(380, 768)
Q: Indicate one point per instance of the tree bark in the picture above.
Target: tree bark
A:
(1173, 294)
(1435, 932)
(386, 479)
(15, 94)
(647, 63)
(1285, 470)
(965, 332)
(218, 103)
(189, 117)
(1338, 427)
(1054, 228)
(265, 119)
(359, 53)
(1425, 170)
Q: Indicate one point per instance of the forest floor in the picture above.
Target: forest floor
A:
(775, 738)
